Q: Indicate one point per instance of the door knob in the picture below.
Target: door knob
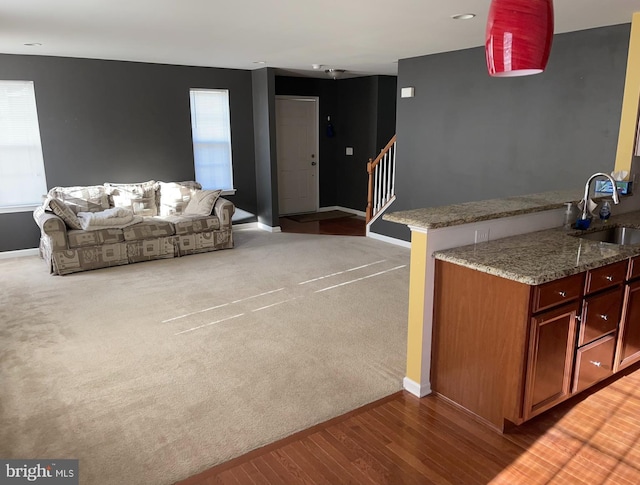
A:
(313, 163)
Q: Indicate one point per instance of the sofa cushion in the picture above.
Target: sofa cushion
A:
(141, 198)
(174, 196)
(63, 211)
(150, 249)
(192, 224)
(150, 227)
(202, 202)
(90, 198)
(78, 239)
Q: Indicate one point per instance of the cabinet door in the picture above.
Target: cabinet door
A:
(600, 315)
(594, 362)
(629, 334)
(550, 360)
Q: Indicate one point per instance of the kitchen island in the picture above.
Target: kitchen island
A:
(527, 249)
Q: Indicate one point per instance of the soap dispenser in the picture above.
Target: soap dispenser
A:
(570, 216)
(605, 211)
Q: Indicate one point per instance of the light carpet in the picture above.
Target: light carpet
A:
(152, 372)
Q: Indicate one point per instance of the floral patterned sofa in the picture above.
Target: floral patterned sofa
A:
(91, 227)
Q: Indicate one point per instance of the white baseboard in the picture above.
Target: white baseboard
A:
(242, 226)
(415, 388)
(264, 227)
(20, 253)
(387, 239)
(343, 209)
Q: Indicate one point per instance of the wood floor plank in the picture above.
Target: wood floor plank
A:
(317, 460)
(265, 470)
(320, 440)
(430, 449)
(336, 465)
(405, 440)
(449, 440)
(307, 462)
(359, 432)
(365, 460)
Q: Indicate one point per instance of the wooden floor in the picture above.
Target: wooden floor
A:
(344, 226)
(592, 439)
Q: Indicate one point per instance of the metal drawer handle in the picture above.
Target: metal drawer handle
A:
(604, 317)
(608, 278)
(562, 294)
(578, 318)
(597, 364)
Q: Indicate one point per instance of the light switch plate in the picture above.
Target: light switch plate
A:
(349, 151)
(408, 92)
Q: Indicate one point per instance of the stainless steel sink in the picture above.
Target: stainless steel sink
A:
(627, 236)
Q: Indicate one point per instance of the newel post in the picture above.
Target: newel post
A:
(370, 191)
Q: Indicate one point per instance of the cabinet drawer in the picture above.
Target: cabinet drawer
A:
(606, 277)
(594, 362)
(556, 292)
(634, 268)
(600, 315)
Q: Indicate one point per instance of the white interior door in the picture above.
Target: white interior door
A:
(297, 151)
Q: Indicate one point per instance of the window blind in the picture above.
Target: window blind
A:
(22, 175)
(211, 133)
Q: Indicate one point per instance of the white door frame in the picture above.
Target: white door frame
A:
(317, 137)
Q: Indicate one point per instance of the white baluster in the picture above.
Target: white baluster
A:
(393, 164)
(376, 190)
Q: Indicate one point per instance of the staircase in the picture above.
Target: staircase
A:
(382, 176)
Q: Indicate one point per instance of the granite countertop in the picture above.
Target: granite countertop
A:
(543, 256)
(456, 214)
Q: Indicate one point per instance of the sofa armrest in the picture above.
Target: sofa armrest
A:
(52, 227)
(224, 210)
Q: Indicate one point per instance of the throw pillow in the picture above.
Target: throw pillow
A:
(60, 209)
(174, 196)
(202, 202)
(140, 198)
(87, 198)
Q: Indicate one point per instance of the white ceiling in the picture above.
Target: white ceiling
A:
(362, 36)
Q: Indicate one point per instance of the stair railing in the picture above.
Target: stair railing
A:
(382, 177)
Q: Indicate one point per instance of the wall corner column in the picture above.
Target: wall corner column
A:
(630, 101)
(417, 380)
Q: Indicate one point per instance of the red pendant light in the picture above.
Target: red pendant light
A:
(519, 36)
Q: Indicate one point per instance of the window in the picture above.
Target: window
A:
(22, 179)
(211, 133)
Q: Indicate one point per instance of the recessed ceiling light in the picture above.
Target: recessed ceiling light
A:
(259, 62)
(463, 16)
(33, 44)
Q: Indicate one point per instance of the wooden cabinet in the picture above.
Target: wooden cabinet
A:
(600, 315)
(594, 362)
(503, 350)
(551, 349)
(556, 292)
(628, 351)
(605, 277)
(507, 351)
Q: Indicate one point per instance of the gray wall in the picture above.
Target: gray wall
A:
(366, 123)
(264, 125)
(466, 136)
(110, 121)
(362, 112)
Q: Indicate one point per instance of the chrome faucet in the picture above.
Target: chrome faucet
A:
(587, 188)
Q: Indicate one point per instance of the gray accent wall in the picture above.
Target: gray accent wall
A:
(112, 121)
(264, 126)
(466, 136)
